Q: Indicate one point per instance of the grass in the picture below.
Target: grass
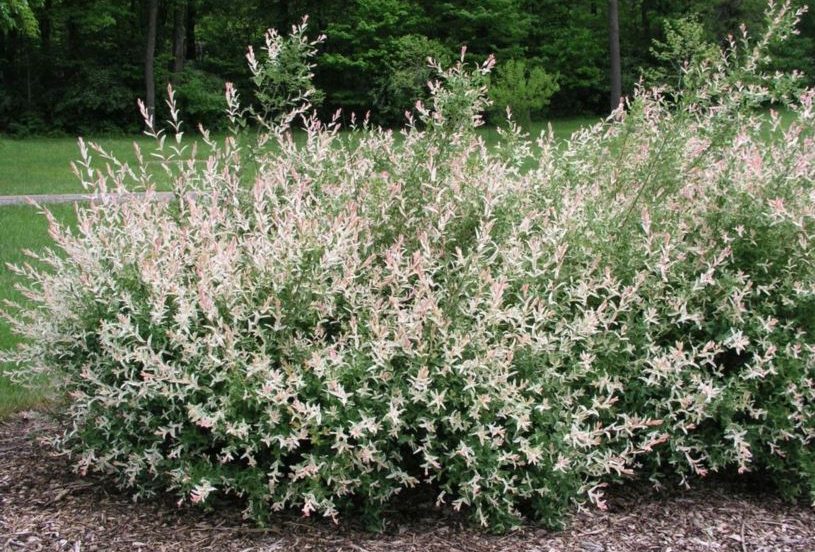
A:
(21, 227)
(43, 165)
(562, 128)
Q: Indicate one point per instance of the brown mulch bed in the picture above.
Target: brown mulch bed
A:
(45, 506)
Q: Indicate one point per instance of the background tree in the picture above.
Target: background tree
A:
(179, 36)
(685, 41)
(525, 89)
(79, 65)
(150, 56)
(19, 15)
(615, 66)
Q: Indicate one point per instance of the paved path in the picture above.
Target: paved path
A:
(70, 198)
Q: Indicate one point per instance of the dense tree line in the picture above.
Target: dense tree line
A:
(77, 65)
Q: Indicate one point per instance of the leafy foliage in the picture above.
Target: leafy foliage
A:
(405, 75)
(52, 78)
(19, 15)
(201, 94)
(283, 76)
(525, 90)
(371, 314)
(685, 43)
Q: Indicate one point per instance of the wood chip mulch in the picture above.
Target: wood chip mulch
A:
(45, 506)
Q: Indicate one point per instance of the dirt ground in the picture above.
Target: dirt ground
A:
(45, 506)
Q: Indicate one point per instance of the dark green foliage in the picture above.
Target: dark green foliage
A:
(78, 65)
(405, 74)
(201, 94)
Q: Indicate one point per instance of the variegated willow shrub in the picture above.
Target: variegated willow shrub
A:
(321, 322)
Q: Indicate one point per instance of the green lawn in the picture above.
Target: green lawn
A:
(21, 227)
(42, 165)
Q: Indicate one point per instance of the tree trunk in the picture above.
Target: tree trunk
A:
(190, 30)
(287, 19)
(28, 94)
(646, 21)
(45, 29)
(149, 57)
(614, 51)
(179, 37)
(46, 61)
